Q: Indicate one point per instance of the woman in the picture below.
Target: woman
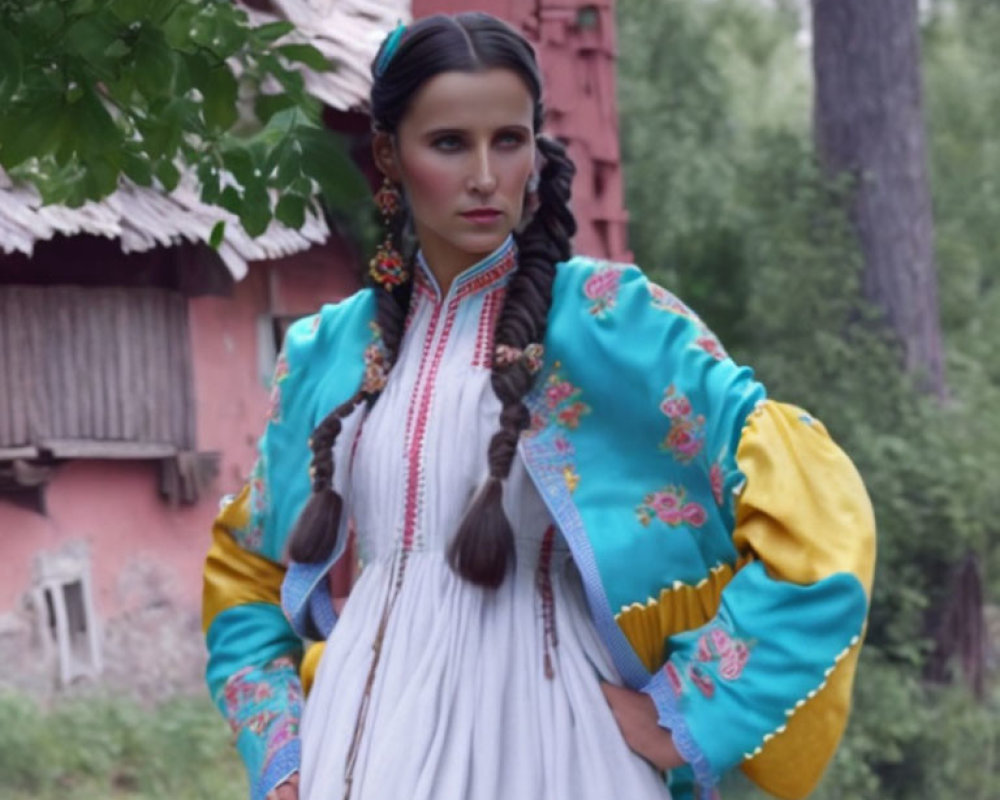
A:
(593, 550)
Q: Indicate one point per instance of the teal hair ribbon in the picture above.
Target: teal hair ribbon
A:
(389, 49)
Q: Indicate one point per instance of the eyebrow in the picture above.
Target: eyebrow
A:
(452, 131)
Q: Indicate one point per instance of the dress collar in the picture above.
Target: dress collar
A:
(493, 271)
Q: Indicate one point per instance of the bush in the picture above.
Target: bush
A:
(90, 747)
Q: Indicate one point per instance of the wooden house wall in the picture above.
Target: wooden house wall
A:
(95, 372)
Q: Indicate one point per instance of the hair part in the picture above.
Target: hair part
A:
(482, 550)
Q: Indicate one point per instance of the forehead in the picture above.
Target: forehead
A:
(492, 98)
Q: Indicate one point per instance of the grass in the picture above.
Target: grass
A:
(99, 747)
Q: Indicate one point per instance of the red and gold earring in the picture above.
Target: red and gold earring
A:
(386, 267)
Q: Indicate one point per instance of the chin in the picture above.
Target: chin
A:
(482, 243)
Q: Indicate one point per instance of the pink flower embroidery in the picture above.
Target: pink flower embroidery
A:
(711, 345)
(569, 417)
(731, 667)
(557, 392)
(563, 405)
(673, 678)
(686, 435)
(731, 653)
(705, 339)
(280, 375)
(669, 506)
(694, 515)
(665, 301)
(602, 289)
(683, 441)
(717, 480)
(675, 405)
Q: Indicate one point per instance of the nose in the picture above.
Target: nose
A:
(482, 175)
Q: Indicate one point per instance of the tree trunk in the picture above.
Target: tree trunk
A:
(869, 124)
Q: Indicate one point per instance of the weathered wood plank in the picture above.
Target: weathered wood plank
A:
(82, 448)
(85, 369)
(188, 406)
(64, 407)
(101, 347)
(121, 419)
(20, 383)
(163, 388)
(8, 380)
(38, 365)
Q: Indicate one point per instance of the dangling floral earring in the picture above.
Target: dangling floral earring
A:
(386, 266)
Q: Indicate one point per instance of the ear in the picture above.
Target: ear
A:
(384, 153)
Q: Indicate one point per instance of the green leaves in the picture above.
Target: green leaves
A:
(305, 54)
(96, 90)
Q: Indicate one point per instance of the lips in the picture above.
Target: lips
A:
(481, 214)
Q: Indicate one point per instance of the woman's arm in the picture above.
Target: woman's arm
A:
(638, 721)
(254, 654)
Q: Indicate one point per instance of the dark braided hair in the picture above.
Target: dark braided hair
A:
(482, 549)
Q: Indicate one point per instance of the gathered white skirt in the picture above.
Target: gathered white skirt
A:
(460, 702)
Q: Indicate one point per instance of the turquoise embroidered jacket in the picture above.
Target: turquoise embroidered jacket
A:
(726, 544)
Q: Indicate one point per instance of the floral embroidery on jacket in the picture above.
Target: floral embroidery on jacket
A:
(669, 505)
(715, 647)
(266, 702)
(602, 289)
(280, 376)
(731, 653)
(673, 678)
(248, 689)
(705, 339)
(251, 536)
(376, 362)
(717, 480)
(687, 431)
(562, 404)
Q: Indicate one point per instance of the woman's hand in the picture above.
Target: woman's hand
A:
(289, 790)
(637, 719)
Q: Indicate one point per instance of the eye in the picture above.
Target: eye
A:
(447, 143)
(511, 139)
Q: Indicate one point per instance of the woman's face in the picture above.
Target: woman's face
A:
(464, 153)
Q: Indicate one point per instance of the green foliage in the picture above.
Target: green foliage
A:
(730, 210)
(94, 90)
(102, 746)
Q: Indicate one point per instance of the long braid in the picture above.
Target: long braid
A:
(315, 534)
(484, 545)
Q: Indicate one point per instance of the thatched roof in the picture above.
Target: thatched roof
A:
(347, 31)
(144, 218)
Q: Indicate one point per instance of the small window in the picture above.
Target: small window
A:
(65, 615)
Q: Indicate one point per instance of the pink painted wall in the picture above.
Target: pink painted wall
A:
(578, 67)
(115, 506)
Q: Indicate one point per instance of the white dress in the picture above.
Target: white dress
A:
(460, 703)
